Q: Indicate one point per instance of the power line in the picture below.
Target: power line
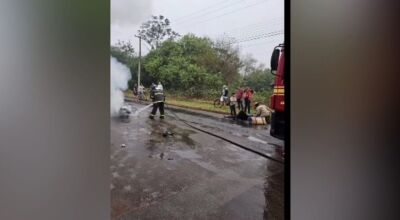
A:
(248, 33)
(273, 39)
(230, 12)
(253, 30)
(255, 25)
(210, 12)
(256, 37)
(201, 10)
(252, 37)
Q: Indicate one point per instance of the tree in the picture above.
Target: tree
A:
(228, 62)
(196, 66)
(260, 79)
(157, 30)
(126, 48)
(123, 52)
(178, 65)
(249, 64)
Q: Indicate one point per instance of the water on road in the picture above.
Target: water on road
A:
(163, 169)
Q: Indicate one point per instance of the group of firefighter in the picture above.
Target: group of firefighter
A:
(241, 99)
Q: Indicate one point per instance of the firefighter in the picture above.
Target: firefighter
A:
(158, 97)
(262, 111)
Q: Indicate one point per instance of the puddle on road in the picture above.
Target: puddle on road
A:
(143, 130)
(153, 144)
(274, 192)
(257, 140)
(185, 148)
(184, 137)
(187, 154)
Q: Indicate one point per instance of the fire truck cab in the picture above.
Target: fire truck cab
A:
(277, 100)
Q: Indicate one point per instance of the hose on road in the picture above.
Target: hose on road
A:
(227, 140)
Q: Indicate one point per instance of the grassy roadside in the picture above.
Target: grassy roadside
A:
(200, 104)
(128, 94)
(197, 104)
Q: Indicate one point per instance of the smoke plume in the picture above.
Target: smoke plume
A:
(120, 75)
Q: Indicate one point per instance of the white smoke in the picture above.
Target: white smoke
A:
(120, 75)
(129, 12)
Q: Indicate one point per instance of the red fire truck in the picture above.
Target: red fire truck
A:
(277, 101)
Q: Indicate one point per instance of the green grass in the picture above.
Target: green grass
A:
(197, 104)
(200, 104)
(128, 94)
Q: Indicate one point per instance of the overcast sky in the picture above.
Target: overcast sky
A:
(251, 22)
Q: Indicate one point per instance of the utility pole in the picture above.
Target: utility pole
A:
(140, 57)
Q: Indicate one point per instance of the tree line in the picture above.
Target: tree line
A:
(190, 65)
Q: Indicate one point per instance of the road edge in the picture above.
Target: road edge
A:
(183, 109)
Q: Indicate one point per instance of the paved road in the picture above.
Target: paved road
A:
(192, 175)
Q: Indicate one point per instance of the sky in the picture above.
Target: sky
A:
(257, 25)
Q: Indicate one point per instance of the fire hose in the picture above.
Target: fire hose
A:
(227, 140)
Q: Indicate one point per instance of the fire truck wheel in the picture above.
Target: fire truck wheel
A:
(277, 125)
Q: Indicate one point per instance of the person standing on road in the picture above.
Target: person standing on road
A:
(135, 90)
(141, 92)
(225, 93)
(248, 96)
(244, 97)
(158, 97)
(160, 86)
(239, 96)
(232, 104)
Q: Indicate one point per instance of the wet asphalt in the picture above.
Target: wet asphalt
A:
(164, 169)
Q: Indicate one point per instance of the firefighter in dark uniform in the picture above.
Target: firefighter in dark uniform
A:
(158, 97)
